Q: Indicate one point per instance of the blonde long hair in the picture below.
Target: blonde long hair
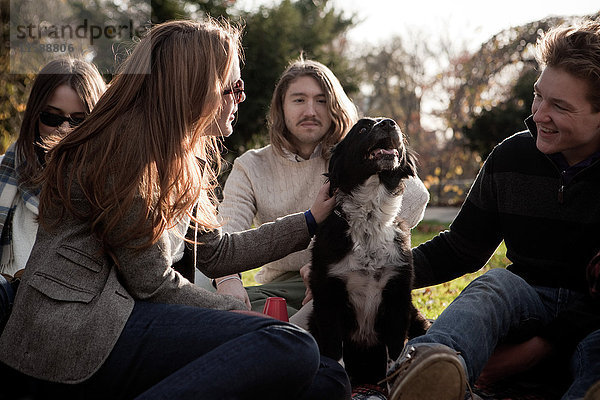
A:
(342, 110)
(145, 142)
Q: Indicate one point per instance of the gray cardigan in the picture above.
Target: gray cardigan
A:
(73, 302)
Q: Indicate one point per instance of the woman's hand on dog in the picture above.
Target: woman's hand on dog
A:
(323, 205)
(305, 274)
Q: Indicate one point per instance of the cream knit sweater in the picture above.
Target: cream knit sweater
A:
(264, 186)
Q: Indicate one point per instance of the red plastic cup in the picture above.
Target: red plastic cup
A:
(276, 308)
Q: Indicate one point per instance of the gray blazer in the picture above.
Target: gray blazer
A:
(73, 302)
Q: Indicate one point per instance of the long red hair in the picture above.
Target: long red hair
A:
(144, 146)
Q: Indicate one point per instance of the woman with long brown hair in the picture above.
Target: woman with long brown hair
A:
(62, 95)
(100, 307)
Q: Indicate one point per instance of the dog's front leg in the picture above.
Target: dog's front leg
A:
(327, 320)
(395, 314)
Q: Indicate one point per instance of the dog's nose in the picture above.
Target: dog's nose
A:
(388, 123)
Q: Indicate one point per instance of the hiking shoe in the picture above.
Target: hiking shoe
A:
(368, 392)
(427, 371)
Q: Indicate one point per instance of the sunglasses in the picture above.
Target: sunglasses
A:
(237, 90)
(54, 120)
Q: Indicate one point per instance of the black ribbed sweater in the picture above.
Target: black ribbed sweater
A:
(551, 229)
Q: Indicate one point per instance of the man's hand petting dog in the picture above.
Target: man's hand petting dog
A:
(305, 274)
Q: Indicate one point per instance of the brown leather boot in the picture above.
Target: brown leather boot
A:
(426, 372)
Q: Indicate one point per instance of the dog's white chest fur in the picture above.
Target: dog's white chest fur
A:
(370, 211)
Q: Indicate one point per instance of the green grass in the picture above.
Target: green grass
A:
(432, 300)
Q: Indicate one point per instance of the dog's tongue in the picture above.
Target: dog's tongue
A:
(386, 151)
(380, 152)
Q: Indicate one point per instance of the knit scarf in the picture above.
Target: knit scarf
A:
(9, 192)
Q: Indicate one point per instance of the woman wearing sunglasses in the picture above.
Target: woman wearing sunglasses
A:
(100, 312)
(65, 91)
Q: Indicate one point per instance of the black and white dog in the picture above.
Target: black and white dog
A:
(361, 274)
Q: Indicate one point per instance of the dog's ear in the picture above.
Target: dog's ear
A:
(408, 161)
(331, 189)
(335, 168)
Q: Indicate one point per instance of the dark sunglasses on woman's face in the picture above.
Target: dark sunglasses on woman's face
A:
(237, 90)
(54, 120)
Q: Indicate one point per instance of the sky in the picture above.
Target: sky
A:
(469, 21)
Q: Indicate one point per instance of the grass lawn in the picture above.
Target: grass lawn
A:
(432, 300)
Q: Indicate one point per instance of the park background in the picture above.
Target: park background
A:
(456, 76)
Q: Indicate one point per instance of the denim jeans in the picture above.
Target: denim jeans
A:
(179, 352)
(500, 305)
(7, 296)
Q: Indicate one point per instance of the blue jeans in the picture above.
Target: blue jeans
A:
(178, 352)
(7, 296)
(500, 305)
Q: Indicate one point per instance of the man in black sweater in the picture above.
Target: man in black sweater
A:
(539, 191)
